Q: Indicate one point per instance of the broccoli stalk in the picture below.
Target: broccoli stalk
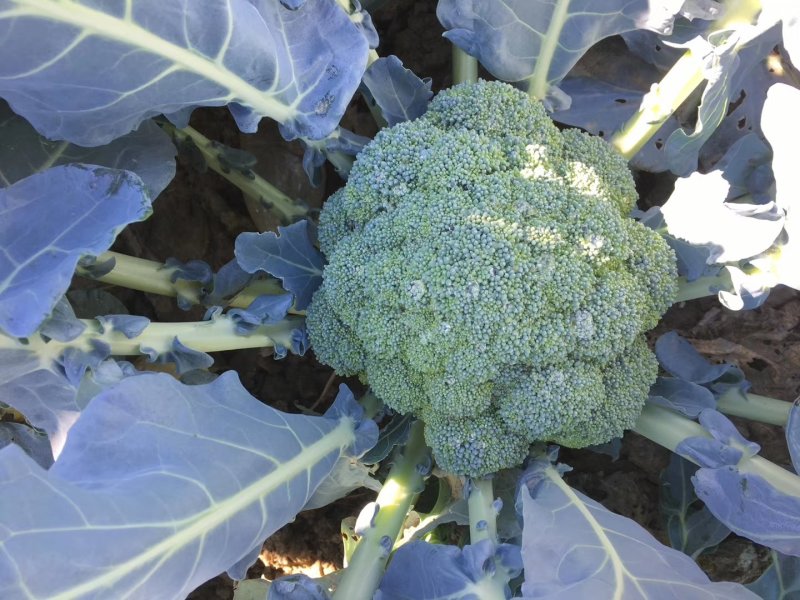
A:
(385, 518)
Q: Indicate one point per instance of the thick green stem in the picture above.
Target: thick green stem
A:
(482, 515)
(659, 103)
(668, 429)
(483, 526)
(754, 407)
(362, 576)
(681, 80)
(204, 336)
(465, 67)
(156, 278)
(253, 186)
(538, 84)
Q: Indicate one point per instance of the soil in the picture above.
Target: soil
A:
(200, 214)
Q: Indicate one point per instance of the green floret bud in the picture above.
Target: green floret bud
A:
(473, 446)
(484, 274)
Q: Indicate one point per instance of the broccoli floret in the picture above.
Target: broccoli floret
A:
(484, 275)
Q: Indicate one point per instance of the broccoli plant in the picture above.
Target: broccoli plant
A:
(483, 274)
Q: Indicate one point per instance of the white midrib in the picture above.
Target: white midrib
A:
(100, 24)
(539, 79)
(214, 516)
(619, 569)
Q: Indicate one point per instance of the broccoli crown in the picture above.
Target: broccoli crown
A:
(484, 275)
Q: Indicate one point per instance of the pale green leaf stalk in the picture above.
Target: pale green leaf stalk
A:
(677, 85)
(465, 67)
(216, 335)
(483, 526)
(252, 185)
(156, 278)
(668, 429)
(400, 490)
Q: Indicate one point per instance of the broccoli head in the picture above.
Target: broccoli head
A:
(484, 274)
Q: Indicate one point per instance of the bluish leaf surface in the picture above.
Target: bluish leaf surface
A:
(296, 587)
(443, 572)
(362, 19)
(793, 436)
(751, 507)
(38, 388)
(160, 487)
(290, 256)
(735, 70)
(48, 221)
(573, 548)
(395, 433)
(684, 397)
(184, 358)
(62, 324)
(725, 447)
(148, 152)
(746, 167)
(264, 310)
(35, 444)
(697, 212)
(601, 108)
(347, 475)
(781, 580)
(682, 148)
(738, 494)
(130, 326)
(784, 136)
(338, 148)
(89, 72)
(518, 39)
(691, 527)
(400, 94)
(678, 356)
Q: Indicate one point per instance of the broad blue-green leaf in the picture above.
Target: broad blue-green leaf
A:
(148, 152)
(679, 357)
(160, 487)
(89, 72)
(400, 94)
(793, 436)
(733, 66)
(34, 380)
(601, 108)
(347, 475)
(442, 572)
(781, 580)
(765, 510)
(393, 434)
(697, 212)
(685, 397)
(751, 507)
(47, 222)
(288, 255)
(35, 444)
(518, 39)
(690, 526)
(573, 548)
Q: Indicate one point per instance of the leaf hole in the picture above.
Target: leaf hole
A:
(621, 101)
(659, 144)
(736, 103)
